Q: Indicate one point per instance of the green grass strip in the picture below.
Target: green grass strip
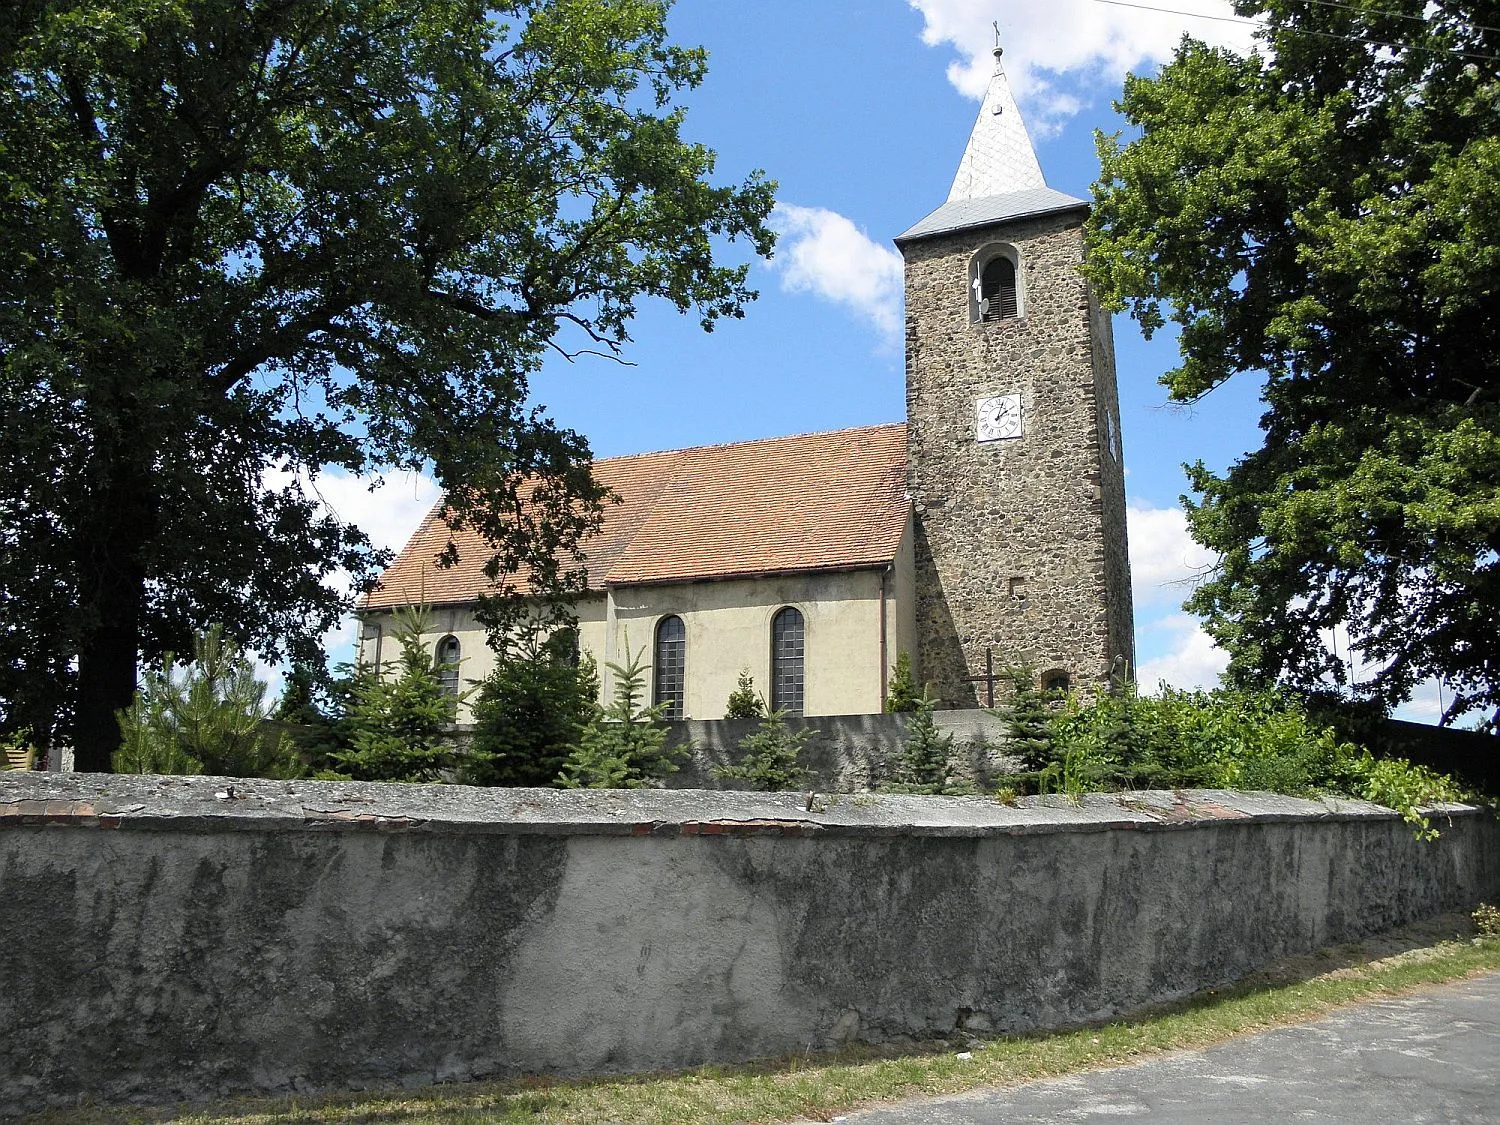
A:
(818, 1087)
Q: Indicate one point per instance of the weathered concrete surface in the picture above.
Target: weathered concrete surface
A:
(1430, 1057)
(182, 937)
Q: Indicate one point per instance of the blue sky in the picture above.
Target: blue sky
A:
(860, 112)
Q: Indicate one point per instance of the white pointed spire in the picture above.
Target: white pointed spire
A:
(999, 159)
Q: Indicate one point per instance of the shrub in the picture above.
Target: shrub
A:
(771, 759)
(209, 717)
(1229, 739)
(926, 759)
(1486, 920)
(1028, 720)
(530, 711)
(902, 693)
(744, 701)
(17, 751)
(398, 725)
(624, 745)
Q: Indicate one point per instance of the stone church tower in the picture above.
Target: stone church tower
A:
(1013, 429)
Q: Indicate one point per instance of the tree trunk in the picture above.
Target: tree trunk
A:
(117, 534)
(106, 684)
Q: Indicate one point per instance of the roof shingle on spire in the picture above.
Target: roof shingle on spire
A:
(999, 177)
(828, 501)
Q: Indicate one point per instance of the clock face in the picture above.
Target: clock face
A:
(997, 417)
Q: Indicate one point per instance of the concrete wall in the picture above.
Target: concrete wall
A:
(187, 937)
(848, 753)
(728, 629)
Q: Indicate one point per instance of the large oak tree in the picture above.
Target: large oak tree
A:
(243, 242)
(1326, 212)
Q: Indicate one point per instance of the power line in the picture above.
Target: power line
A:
(1452, 52)
(1387, 12)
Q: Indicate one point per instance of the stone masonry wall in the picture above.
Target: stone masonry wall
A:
(190, 937)
(1117, 590)
(1043, 514)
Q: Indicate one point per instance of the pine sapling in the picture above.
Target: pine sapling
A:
(624, 746)
(744, 701)
(770, 757)
(902, 693)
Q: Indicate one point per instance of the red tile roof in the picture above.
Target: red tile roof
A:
(827, 501)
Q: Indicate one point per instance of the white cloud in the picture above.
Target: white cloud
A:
(1192, 660)
(1164, 560)
(824, 253)
(1054, 47)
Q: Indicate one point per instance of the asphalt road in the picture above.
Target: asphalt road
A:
(1433, 1056)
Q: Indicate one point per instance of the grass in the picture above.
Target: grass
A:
(818, 1087)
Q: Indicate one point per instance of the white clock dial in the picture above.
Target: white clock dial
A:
(997, 417)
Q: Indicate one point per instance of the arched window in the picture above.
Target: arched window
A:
(671, 665)
(994, 285)
(786, 661)
(562, 647)
(1056, 682)
(446, 657)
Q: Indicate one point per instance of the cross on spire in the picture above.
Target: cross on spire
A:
(999, 158)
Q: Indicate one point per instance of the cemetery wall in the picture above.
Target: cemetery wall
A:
(187, 937)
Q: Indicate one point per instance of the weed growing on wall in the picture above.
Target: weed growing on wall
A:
(744, 701)
(624, 745)
(207, 718)
(771, 760)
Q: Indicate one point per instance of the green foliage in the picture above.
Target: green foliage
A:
(17, 751)
(902, 693)
(209, 717)
(927, 758)
(1487, 920)
(1028, 720)
(399, 719)
(1329, 215)
(316, 707)
(529, 713)
(744, 701)
(770, 757)
(266, 241)
(624, 745)
(1227, 739)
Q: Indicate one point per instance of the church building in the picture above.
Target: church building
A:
(985, 532)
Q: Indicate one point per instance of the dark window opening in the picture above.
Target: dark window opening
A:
(447, 656)
(997, 290)
(1056, 682)
(787, 651)
(562, 648)
(671, 665)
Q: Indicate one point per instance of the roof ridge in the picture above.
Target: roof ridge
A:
(751, 441)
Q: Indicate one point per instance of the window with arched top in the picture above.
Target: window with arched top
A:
(446, 658)
(995, 285)
(787, 651)
(670, 669)
(1056, 682)
(562, 647)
